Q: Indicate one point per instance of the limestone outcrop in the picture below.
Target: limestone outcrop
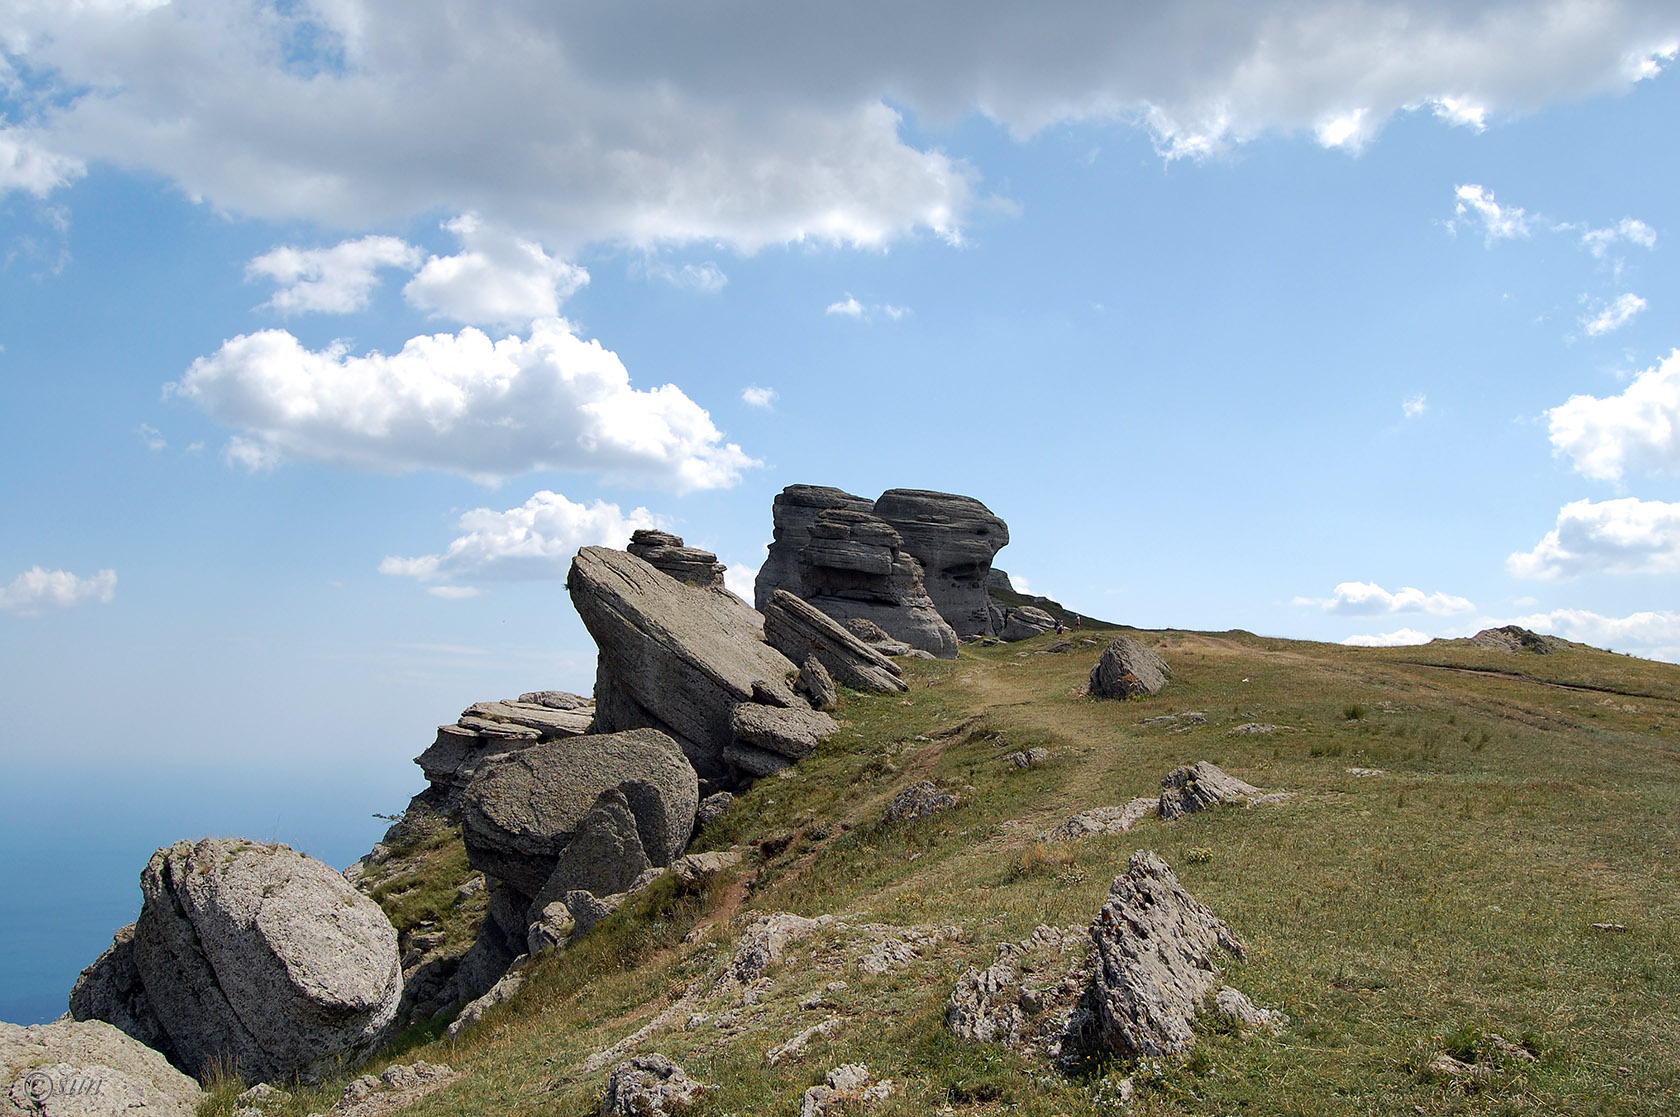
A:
(487, 729)
(1024, 622)
(1515, 638)
(954, 538)
(1128, 669)
(676, 658)
(88, 1068)
(799, 630)
(665, 552)
(253, 954)
(1199, 786)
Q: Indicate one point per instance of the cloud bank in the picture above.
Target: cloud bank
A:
(1625, 536)
(1367, 599)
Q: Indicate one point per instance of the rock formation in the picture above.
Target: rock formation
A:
(1200, 786)
(88, 1067)
(798, 630)
(487, 729)
(1024, 622)
(1514, 638)
(665, 552)
(248, 953)
(649, 1086)
(680, 660)
(954, 538)
(1128, 669)
(832, 550)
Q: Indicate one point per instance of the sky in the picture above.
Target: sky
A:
(330, 329)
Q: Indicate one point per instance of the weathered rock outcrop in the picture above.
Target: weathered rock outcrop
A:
(1026, 997)
(1128, 669)
(676, 658)
(88, 1068)
(954, 538)
(490, 728)
(1200, 786)
(831, 550)
(877, 637)
(1024, 622)
(250, 953)
(665, 552)
(798, 629)
(587, 813)
(1157, 954)
(649, 1086)
(1514, 638)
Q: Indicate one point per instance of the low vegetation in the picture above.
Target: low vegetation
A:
(1462, 819)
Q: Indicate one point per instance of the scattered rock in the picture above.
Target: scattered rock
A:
(1128, 669)
(801, 1043)
(1253, 728)
(392, 1090)
(262, 1094)
(499, 993)
(817, 685)
(1612, 928)
(1102, 820)
(1184, 720)
(1199, 786)
(88, 1068)
(1031, 758)
(1243, 1012)
(257, 956)
(919, 800)
(848, 1087)
(876, 637)
(665, 552)
(1156, 952)
(692, 868)
(1445, 1066)
(1365, 772)
(649, 1086)
(1505, 1049)
(1027, 997)
(712, 807)
(791, 733)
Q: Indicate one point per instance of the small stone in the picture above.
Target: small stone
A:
(919, 800)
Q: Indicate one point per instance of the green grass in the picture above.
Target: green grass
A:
(1393, 918)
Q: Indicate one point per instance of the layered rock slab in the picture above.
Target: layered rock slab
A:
(666, 552)
(798, 630)
(954, 538)
(253, 955)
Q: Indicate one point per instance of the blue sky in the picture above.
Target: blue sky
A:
(331, 330)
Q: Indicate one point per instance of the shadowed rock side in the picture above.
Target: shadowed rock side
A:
(249, 953)
(798, 629)
(830, 550)
(954, 538)
(675, 658)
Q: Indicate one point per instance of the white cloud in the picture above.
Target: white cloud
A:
(751, 124)
(453, 593)
(1654, 634)
(1614, 315)
(1628, 229)
(39, 589)
(1368, 599)
(535, 541)
(1414, 405)
(1638, 429)
(462, 404)
(1625, 536)
(27, 165)
(1404, 637)
(706, 278)
(739, 580)
(849, 307)
(754, 396)
(497, 278)
(336, 280)
(152, 437)
(1476, 205)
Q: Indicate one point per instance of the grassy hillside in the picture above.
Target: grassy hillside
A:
(1523, 799)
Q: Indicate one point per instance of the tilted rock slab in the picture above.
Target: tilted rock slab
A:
(1200, 786)
(260, 956)
(1157, 961)
(954, 538)
(798, 630)
(88, 1068)
(1128, 669)
(673, 657)
(1024, 622)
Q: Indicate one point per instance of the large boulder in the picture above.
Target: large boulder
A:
(88, 1068)
(586, 813)
(1024, 622)
(1128, 669)
(798, 629)
(251, 956)
(490, 728)
(674, 657)
(665, 552)
(954, 537)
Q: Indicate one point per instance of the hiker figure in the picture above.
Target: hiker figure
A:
(1076, 622)
(1058, 628)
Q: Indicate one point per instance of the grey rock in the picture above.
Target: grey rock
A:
(649, 1086)
(1249, 1017)
(876, 637)
(998, 579)
(588, 909)
(1027, 997)
(1200, 786)
(1026, 621)
(753, 761)
(954, 538)
(1513, 638)
(551, 930)
(665, 552)
(604, 856)
(673, 657)
(487, 729)
(88, 1068)
(802, 632)
(1157, 954)
(523, 811)
(920, 800)
(1102, 820)
(816, 684)
(1128, 669)
(111, 990)
(263, 957)
(500, 993)
(794, 510)
(712, 807)
(793, 733)
(263, 1093)
(845, 1089)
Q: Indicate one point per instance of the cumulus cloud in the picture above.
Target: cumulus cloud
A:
(1625, 536)
(460, 403)
(1654, 634)
(336, 280)
(1614, 314)
(1476, 207)
(1367, 599)
(496, 278)
(1637, 429)
(1403, 637)
(754, 396)
(535, 541)
(1628, 230)
(38, 589)
(751, 124)
(739, 580)
(1413, 406)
